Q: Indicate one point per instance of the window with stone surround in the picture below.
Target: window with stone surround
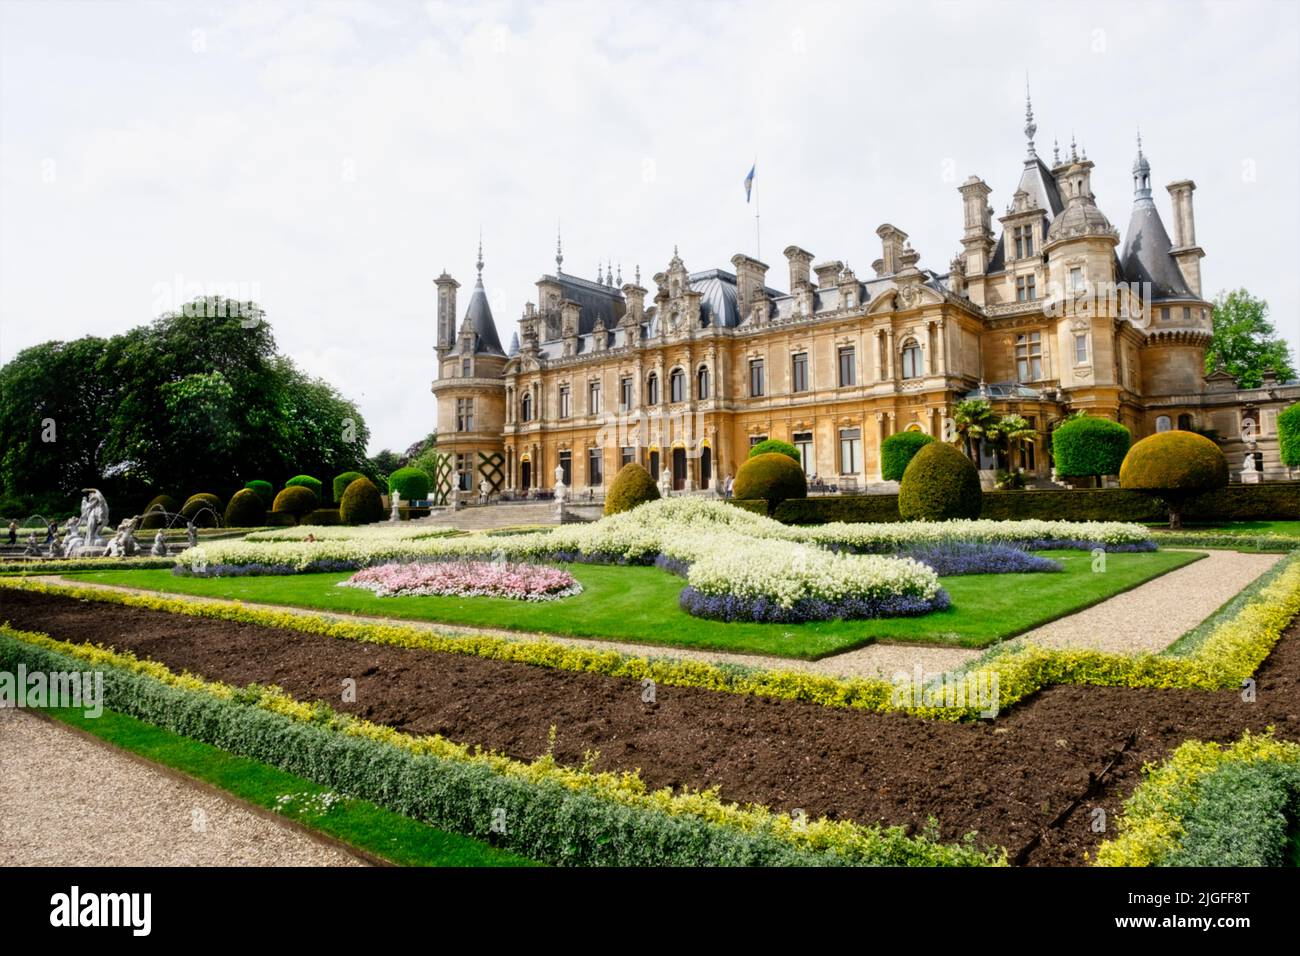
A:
(912, 359)
(848, 366)
(566, 402)
(1029, 356)
(677, 385)
(464, 414)
(702, 382)
(652, 389)
(593, 398)
(799, 372)
(625, 399)
(850, 451)
(1026, 290)
(756, 378)
(1081, 348)
(595, 467)
(1024, 237)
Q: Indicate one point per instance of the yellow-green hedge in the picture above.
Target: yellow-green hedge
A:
(1151, 826)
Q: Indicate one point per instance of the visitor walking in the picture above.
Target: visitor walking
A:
(727, 486)
(13, 532)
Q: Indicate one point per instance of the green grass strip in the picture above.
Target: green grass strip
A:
(358, 823)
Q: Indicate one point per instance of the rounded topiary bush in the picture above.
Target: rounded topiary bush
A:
(1089, 447)
(245, 510)
(265, 490)
(203, 509)
(1174, 466)
(412, 484)
(306, 481)
(774, 446)
(341, 482)
(773, 477)
(1288, 435)
(897, 451)
(153, 516)
(361, 503)
(940, 483)
(296, 500)
(632, 486)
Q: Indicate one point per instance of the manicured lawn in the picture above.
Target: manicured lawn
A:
(1287, 528)
(358, 823)
(640, 604)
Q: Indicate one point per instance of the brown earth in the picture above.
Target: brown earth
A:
(1028, 781)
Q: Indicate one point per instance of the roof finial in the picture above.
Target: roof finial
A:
(1056, 152)
(479, 265)
(609, 272)
(1074, 151)
(559, 252)
(618, 279)
(1030, 126)
(638, 273)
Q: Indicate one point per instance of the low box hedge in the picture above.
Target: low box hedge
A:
(1272, 501)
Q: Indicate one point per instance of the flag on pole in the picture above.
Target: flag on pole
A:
(749, 181)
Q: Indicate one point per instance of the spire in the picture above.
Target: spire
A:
(479, 264)
(609, 273)
(1141, 175)
(1030, 126)
(1056, 152)
(637, 280)
(1074, 149)
(559, 252)
(618, 280)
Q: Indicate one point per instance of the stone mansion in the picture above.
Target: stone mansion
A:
(1047, 309)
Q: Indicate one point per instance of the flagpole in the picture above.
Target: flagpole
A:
(758, 236)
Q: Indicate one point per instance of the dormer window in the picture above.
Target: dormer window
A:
(1076, 279)
(1024, 237)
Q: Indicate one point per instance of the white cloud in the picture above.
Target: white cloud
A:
(340, 156)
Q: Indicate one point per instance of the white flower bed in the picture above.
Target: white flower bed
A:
(684, 529)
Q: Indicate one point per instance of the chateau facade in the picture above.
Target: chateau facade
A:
(1046, 310)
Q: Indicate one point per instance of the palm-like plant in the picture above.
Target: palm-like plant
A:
(1010, 433)
(973, 419)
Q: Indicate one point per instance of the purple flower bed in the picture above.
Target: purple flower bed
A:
(256, 568)
(760, 610)
(673, 565)
(962, 557)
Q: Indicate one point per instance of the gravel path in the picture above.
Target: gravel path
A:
(68, 800)
(1155, 614)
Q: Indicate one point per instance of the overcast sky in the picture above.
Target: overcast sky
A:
(330, 159)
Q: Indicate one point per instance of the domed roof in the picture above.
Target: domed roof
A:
(1080, 218)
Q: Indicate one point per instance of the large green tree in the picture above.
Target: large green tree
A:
(198, 400)
(1245, 342)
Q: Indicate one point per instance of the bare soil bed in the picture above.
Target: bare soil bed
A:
(1028, 781)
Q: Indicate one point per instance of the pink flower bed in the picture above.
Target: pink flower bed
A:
(520, 582)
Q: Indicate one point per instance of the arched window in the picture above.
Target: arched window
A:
(1163, 423)
(526, 408)
(911, 359)
(677, 385)
(702, 382)
(652, 389)
(1185, 422)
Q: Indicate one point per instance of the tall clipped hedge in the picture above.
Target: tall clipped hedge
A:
(306, 481)
(361, 503)
(196, 509)
(632, 486)
(940, 483)
(153, 518)
(245, 510)
(341, 482)
(897, 451)
(1086, 447)
(412, 484)
(296, 500)
(1288, 433)
(1174, 466)
(773, 477)
(265, 490)
(774, 446)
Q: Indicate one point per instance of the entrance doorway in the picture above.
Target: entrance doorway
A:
(679, 469)
(706, 466)
(525, 474)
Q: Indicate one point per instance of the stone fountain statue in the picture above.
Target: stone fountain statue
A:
(395, 513)
(94, 516)
(192, 534)
(665, 482)
(123, 544)
(159, 549)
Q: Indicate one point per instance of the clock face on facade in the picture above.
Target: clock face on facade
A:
(675, 319)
